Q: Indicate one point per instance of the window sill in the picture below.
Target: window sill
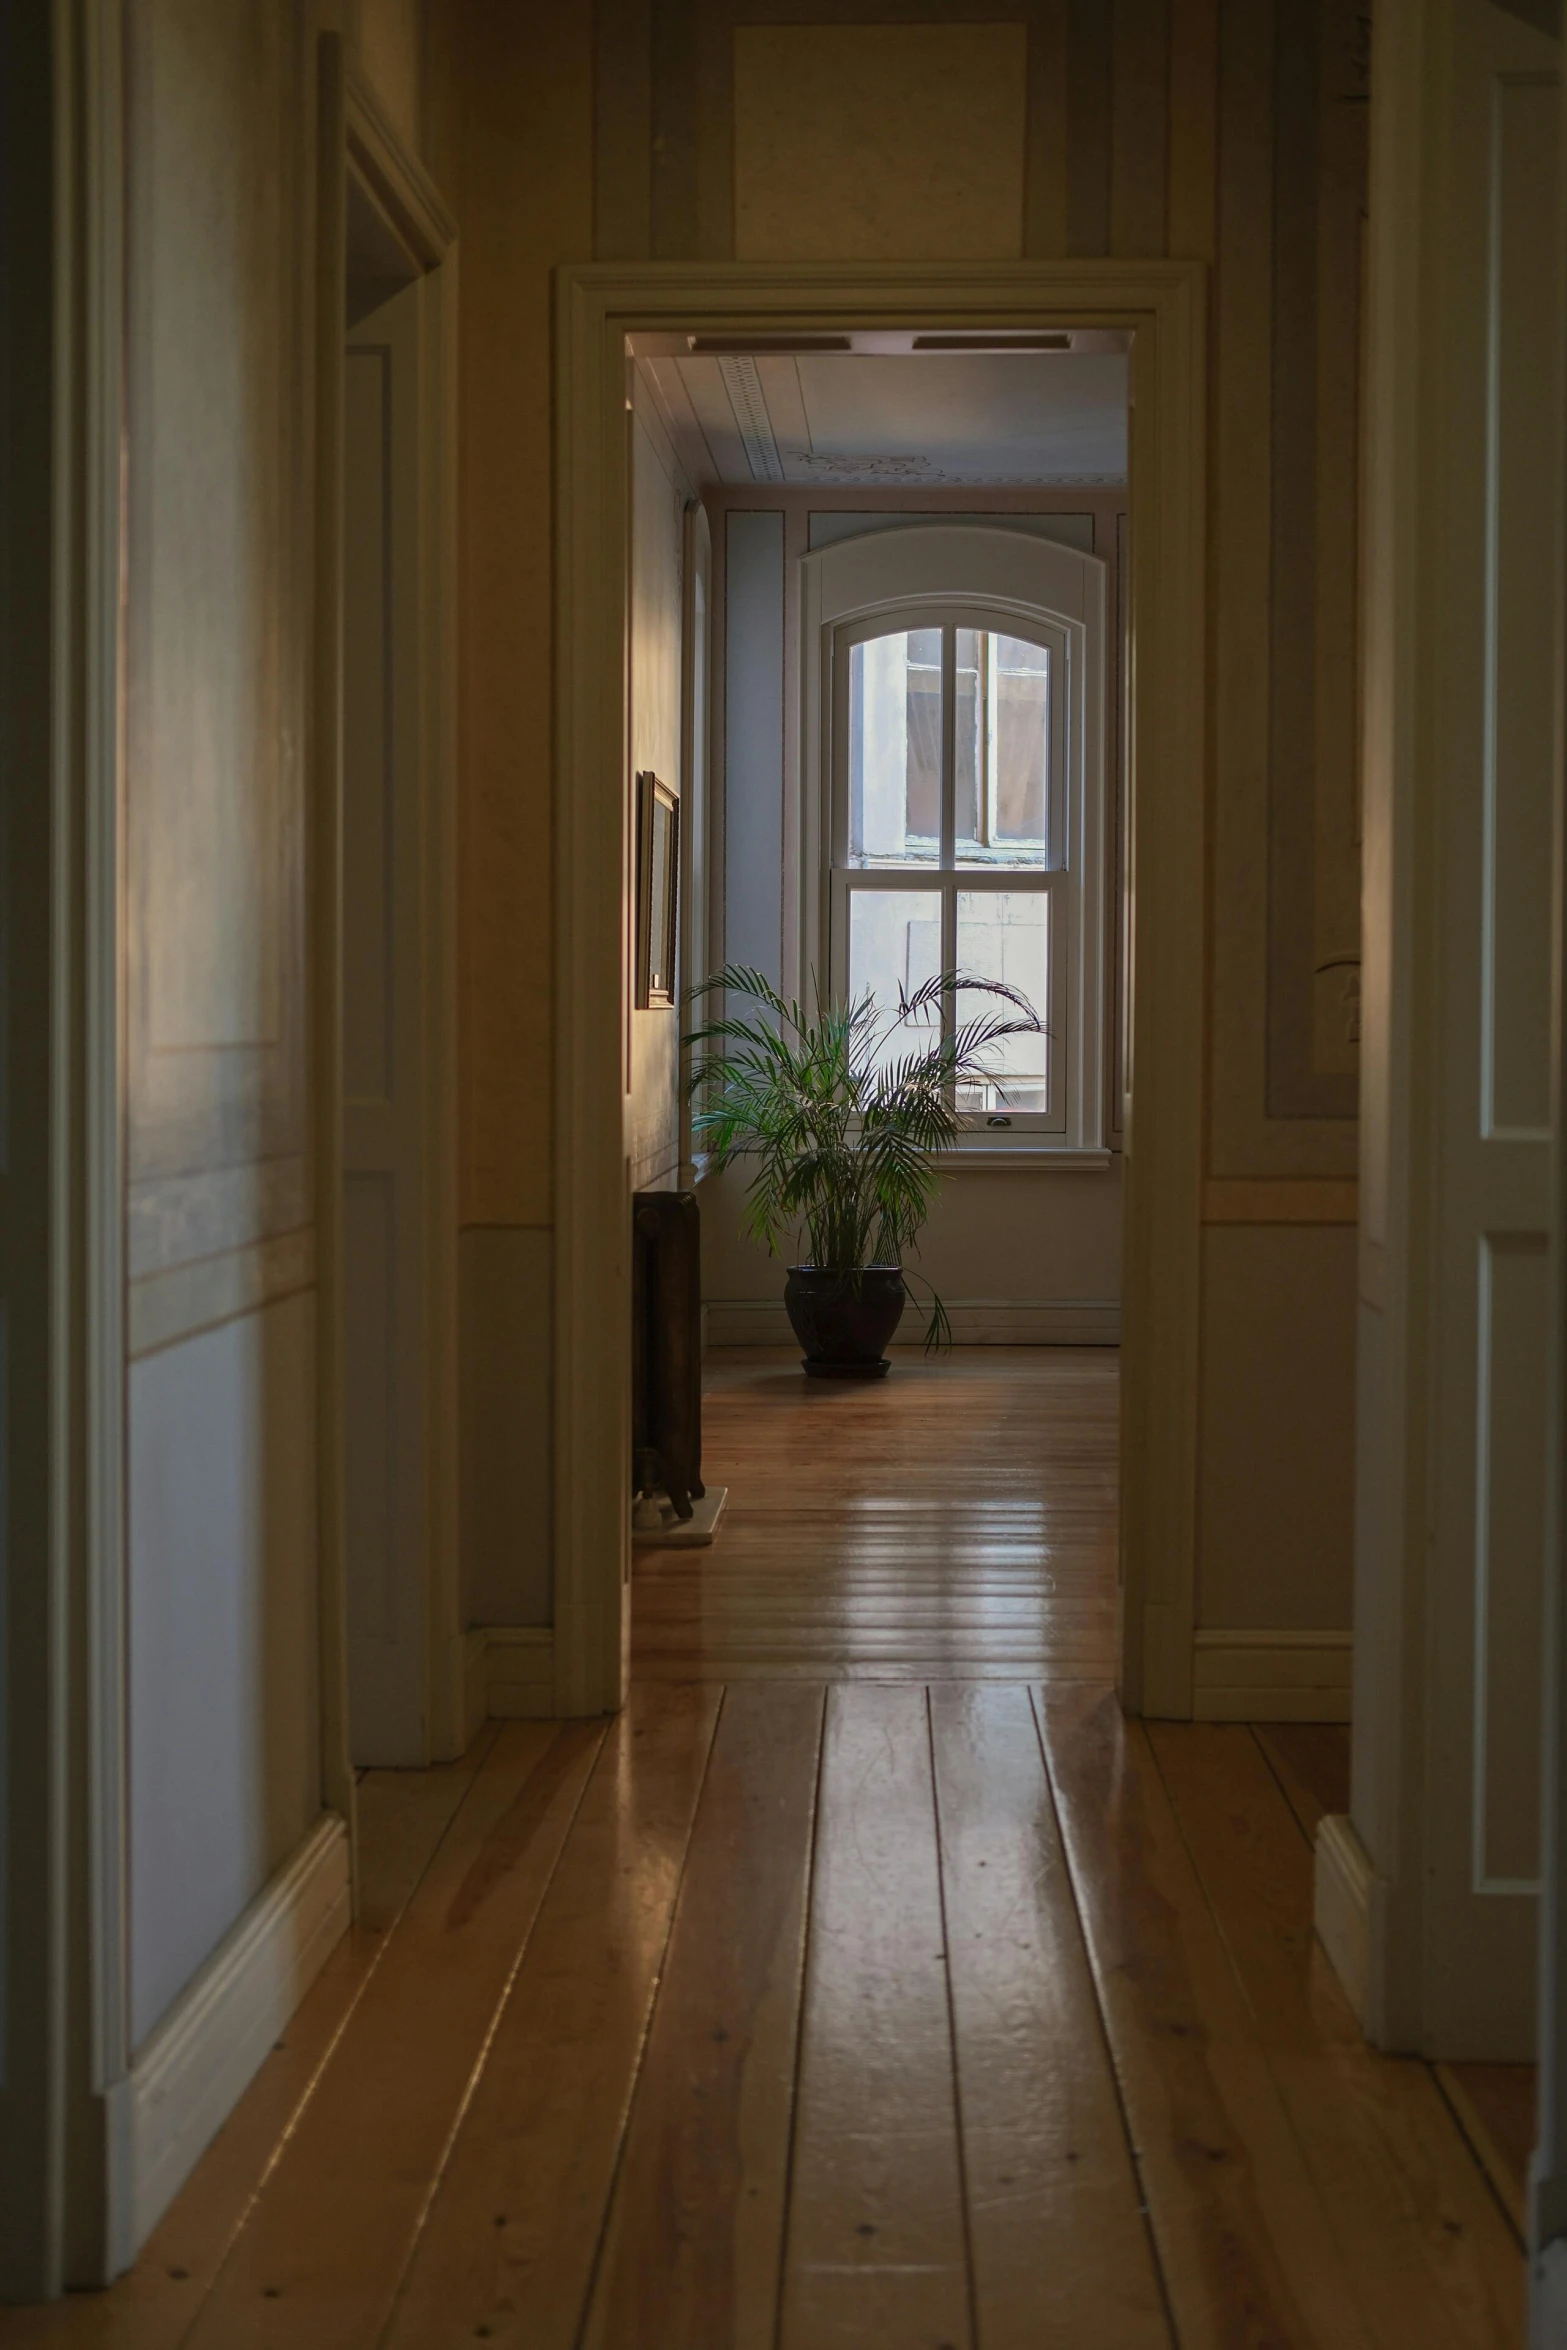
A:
(1000, 1158)
(989, 1158)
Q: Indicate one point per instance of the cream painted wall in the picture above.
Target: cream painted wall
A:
(388, 40)
(914, 132)
(511, 147)
(509, 120)
(1276, 1520)
(660, 495)
(1228, 130)
(1050, 1240)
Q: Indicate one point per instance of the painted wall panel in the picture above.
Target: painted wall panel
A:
(218, 578)
(223, 1701)
(898, 142)
(1278, 1389)
(1521, 622)
(1510, 1378)
(505, 1286)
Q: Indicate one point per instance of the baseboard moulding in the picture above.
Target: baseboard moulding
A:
(509, 1675)
(1091, 1321)
(197, 2063)
(1267, 1676)
(1342, 1905)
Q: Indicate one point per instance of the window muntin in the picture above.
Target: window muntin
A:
(951, 820)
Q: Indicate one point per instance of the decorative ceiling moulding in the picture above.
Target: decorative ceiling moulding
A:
(1161, 305)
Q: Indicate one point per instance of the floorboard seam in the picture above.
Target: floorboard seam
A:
(1118, 2086)
(1281, 2098)
(1274, 1775)
(952, 2031)
(799, 2025)
(302, 2102)
(639, 2058)
(1493, 2186)
(476, 2071)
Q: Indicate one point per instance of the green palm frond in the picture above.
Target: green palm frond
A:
(844, 1110)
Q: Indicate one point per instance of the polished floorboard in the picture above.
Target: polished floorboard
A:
(903, 2002)
(955, 1521)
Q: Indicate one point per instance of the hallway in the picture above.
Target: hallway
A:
(868, 1981)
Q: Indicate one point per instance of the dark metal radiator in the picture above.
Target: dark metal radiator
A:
(666, 1346)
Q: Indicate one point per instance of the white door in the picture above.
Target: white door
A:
(383, 1074)
(1492, 693)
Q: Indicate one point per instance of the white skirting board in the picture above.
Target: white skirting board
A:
(1342, 1904)
(1250, 1676)
(509, 1675)
(976, 1321)
(196, 2065)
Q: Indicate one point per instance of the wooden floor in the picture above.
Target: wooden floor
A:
(955, 1521)
(849, 1989)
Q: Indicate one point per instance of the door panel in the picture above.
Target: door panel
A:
(1493, 694)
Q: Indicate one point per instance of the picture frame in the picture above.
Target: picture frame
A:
(658, 893)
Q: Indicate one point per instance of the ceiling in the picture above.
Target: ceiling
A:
(857, 419)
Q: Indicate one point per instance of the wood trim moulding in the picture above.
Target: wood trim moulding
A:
(1069, 1321)
(395, 177)
(1342, 1905)
(325, 830)
(508, 1676)
(356, 138)
(1277, 1199)
(1267, 1676)
(187, 2078)
(65, 2149)
(185, 1300)
(598, 305)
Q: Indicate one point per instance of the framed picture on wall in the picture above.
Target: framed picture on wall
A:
(658, 891)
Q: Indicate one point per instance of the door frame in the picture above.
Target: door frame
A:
(65, 2142)
(598, 305)
(356, 139)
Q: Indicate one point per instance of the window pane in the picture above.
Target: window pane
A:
(969, 742)
(894, 942)
(1006, 935)
(895, 749)
(1003, 756)
(1022, 744)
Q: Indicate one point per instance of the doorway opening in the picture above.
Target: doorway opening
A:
(731, 336)
(913, 563)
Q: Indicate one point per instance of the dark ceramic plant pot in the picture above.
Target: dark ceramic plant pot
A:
(844, 1319)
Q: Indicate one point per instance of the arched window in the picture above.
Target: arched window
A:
(959, 796)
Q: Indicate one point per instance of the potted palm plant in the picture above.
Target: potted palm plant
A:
(845, 1113)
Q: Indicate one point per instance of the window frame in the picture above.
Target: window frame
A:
(1008, 583)
(944, 877)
